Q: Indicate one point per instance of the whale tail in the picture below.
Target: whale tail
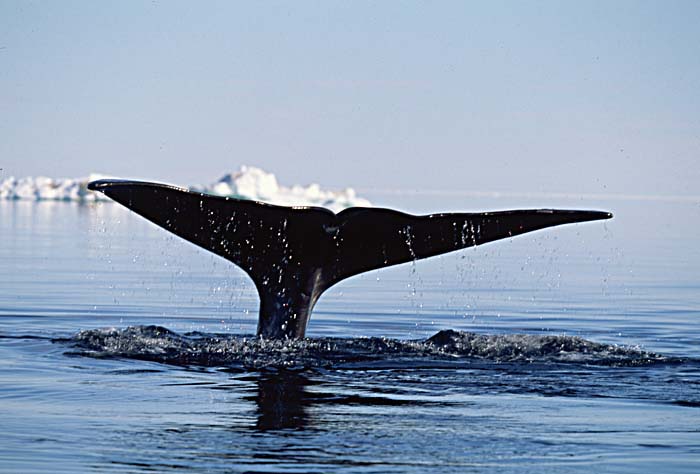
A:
(294, 254)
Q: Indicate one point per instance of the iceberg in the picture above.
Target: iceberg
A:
(42, 188)
(248, 182)
(255, 184)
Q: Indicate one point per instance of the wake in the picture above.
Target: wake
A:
(446, 348)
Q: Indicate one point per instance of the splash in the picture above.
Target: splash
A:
(449, 347)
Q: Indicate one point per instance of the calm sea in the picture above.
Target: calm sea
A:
(125, 349)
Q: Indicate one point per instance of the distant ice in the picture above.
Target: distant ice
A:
(42, 188)
(255, 184)
(247, 183)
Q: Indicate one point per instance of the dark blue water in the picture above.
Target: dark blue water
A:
(123, 349)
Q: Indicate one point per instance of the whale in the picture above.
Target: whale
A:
(294, 254)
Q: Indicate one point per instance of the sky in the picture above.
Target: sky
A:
(573, 97)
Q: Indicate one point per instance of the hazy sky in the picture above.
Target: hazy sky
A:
(597, 97)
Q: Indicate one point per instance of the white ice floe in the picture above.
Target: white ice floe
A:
(255, 184)
(247, 183)
(42, 188)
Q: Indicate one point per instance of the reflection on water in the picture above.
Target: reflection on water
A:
(282, 400)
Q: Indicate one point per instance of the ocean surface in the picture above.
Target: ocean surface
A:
(573, 349)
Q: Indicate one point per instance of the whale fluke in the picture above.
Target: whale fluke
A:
(294, 254)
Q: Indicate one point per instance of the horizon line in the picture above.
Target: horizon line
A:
(529, 195)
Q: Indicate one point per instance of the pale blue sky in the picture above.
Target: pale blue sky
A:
(595, 97)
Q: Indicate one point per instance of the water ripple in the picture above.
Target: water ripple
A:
(447, 347)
